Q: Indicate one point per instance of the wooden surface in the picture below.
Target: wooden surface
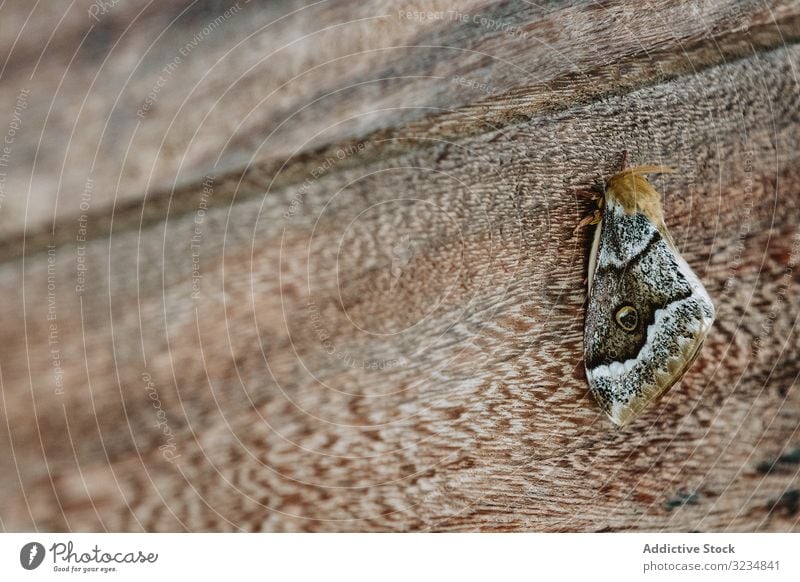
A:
(406, 198)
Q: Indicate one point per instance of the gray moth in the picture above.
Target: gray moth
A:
(648, 313)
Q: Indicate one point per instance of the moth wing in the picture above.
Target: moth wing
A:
(634, 263)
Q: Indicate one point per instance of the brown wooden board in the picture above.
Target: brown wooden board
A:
(376, 325)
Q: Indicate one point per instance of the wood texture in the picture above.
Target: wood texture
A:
(364, 318)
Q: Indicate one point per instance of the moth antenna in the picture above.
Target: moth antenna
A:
(651, 169)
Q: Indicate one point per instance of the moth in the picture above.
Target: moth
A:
(647, 312)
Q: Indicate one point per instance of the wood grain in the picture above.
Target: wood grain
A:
(386, 330)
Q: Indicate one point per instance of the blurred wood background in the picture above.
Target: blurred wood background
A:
(286, 267)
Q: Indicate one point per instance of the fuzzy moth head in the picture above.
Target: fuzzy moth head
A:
(648, 313)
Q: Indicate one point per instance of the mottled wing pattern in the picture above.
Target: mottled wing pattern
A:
(635, 265)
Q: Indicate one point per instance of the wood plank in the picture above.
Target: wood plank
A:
(261, 86)
(448, 264)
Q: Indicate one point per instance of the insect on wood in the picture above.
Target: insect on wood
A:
(648, 313)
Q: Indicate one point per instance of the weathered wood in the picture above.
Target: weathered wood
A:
(258, 89)
(438, 249)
